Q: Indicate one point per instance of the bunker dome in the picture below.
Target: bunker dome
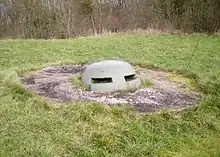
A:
(110, 75)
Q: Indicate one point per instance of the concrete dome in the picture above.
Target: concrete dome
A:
(110, 75)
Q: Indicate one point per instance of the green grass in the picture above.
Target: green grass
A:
(31, 127)
(77, 81)
(146, 83)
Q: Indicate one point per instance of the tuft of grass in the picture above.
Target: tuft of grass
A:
(146, 83)
(189, 82)
(32, 127)
(77, 81)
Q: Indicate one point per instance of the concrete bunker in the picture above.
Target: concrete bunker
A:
(109, 76)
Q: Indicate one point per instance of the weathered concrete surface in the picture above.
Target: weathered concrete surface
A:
(53, 83)
(116, 71)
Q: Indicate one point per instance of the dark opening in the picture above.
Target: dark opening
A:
(102, 80)
(129, 77)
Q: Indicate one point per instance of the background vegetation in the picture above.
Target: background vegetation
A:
(50, 19)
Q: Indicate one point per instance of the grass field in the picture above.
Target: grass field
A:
(31, 127)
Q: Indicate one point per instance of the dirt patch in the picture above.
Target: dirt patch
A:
(54, 83)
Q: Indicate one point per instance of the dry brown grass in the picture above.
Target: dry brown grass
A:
(142, 32)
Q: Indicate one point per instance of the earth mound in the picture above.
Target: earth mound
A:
(54, 83)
